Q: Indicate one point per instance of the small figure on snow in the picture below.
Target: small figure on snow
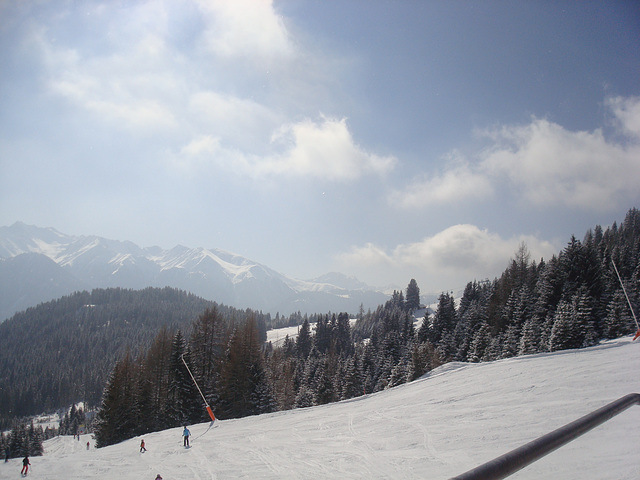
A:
(87, 445)
(158, 477)
(186, 433)
(25, 466)
(142, 447)
(7, 453)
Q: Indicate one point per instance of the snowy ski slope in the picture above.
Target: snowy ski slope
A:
(453, 419)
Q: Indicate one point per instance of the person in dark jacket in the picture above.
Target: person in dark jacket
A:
(25, 466)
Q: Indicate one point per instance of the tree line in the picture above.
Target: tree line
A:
(572, 300)
(61, 352)
(154, 390)
(25, 440)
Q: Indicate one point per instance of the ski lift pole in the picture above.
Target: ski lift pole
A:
(209, 411)
(627, 297)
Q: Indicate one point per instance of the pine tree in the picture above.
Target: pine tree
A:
(444, 320)
(304, 340)
(282, 378)
(480, 344)
(530, 339)
(207, 346)
(325, 391)
(244, 387)
(412, 299)
(583, 312)
(305, 397)
(118, 415)
(564, 334)
(322, 337)
(184, 404)
(619, 320)
(352, 379)
(154, 382)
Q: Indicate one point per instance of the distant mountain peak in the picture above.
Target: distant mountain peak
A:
(213, 274)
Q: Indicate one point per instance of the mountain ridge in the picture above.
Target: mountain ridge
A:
(90, 261)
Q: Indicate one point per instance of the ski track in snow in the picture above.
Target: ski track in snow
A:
(453, 419)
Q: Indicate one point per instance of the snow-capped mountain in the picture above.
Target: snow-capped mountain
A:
(40, 264)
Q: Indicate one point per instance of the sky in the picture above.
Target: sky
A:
(388, 140)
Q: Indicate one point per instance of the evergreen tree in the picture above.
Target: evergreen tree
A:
(412, 301)
(303, 342)
(440, 331)
(530, 339)
(118, 415)
(322, 338)
(565, 333)
(326, 391)
(184, 405)
(583, 312)
(154, 382)
(480, 345)
(342, 335)
(305, 397)
(352, 379)
(282, 377)
(244, 387)
(619, 321)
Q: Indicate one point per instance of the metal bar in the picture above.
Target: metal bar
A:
(625, 294)
(194, 380)
(519, 458)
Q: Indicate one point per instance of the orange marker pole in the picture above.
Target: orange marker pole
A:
(209, 411)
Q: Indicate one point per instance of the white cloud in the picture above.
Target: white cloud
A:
(245, 28)
(369, 255)
(239, 121)
(458, 182)
(627, 112)
(323, 150)
(543, 164)
(452, 257)
(203, 145)
(126, 88)
(549, 165)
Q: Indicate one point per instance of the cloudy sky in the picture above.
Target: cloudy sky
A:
(388, 140)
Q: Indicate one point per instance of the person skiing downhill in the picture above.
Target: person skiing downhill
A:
(25, 466)
(142, 447)
(186, 433)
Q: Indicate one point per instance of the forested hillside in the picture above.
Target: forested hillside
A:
(573, 300)
(62, 351)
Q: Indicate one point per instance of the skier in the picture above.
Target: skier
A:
(25, 466)
(186, 434)
(158, 477)
(87, 445)
(142, 447)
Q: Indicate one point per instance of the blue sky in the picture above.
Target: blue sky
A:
(388, 140)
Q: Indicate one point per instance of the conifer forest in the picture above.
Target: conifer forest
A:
(571, 300)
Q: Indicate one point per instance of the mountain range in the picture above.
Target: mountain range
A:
(40, 264)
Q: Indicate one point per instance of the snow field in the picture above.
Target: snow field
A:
(451, 420)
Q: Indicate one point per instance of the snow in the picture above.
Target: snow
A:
(277, 335)
(453, 419)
